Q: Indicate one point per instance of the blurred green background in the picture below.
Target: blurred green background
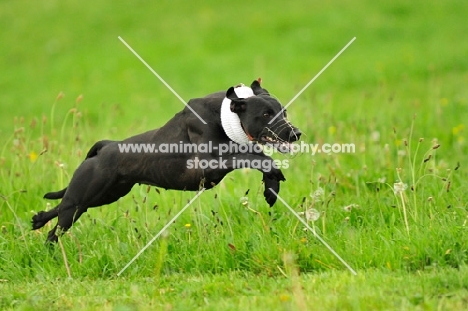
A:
(412, 51)
(404, 77)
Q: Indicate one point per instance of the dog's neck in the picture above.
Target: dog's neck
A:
(230, 120)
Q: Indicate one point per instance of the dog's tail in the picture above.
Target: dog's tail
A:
(55, 195)
(91, 153)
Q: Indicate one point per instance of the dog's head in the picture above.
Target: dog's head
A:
(263, 118)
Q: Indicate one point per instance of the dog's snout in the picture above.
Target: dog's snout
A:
(295, 134)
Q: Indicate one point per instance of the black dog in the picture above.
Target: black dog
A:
(238, 118)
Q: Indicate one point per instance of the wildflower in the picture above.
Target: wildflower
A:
(33, 156)
(284, 297)
(399, 187)
(188, 226)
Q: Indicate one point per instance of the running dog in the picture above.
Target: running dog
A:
(239, 117)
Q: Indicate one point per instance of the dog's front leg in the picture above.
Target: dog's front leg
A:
(272, 174)
(271, 183)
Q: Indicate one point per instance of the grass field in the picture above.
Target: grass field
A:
(398, 93)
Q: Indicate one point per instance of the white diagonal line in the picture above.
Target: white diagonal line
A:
(315, 233)
(161, 79)
(311, 81)
(160, 232)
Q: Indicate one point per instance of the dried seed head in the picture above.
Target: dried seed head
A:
(311, 214)
(350, 207)
(317, 195)
(244, 201)
(375, 136)
(45, 142)
(399, 187)
(33, 123)
(428, 158)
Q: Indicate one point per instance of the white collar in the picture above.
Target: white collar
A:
(230, 120)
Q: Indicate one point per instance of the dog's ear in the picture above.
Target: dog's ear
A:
(231, 94)
(257, 89)
(238, 105)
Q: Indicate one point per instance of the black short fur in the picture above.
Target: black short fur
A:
(107, 174)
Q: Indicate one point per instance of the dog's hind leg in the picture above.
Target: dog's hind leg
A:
(92, 185)
(93, 151)
(68, 213)
(67, 216)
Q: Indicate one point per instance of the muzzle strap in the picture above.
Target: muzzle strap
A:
(230, 120)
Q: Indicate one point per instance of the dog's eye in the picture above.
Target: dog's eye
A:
(266, 115)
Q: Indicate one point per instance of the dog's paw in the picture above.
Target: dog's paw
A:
(271, 184)
(37, 221)
(274, 173)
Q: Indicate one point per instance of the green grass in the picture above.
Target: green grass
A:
(398, 91)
